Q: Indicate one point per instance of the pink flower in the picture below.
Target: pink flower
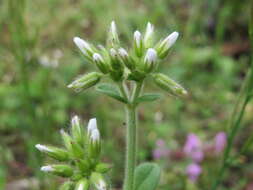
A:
(193, 148)
(161, 151)
(193, 171)
(220, 142)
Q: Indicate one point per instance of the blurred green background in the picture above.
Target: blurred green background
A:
(38, 59)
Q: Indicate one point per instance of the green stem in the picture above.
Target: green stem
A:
(131, 138)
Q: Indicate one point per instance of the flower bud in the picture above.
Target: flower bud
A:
(59, 170)
(126, 59)
(138, 43)
(169, 85)
(92, 125)
(150, 60)
(163, 46)
(86, 81)
(53, 152)
(82, 184)
(94, 144)
(113, 35)
(100, 62)
(98, 181)
(115, 61)
(66, 139)
(148, 38)
(67, 186)
(102, 168)
(85, 47)
(76, 130)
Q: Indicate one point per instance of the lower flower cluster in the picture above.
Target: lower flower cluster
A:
(79, 160)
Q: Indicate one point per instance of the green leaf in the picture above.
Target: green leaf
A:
(111, 91)
(147, 176)
(148, 98)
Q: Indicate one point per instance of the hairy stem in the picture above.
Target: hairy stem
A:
(131, 138)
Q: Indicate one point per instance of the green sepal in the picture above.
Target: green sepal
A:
(111, 91)
(147, 176)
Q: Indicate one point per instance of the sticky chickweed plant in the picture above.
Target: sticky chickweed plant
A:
(128, 69)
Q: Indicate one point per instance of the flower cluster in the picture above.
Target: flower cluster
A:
(79, 160)
(134, 64)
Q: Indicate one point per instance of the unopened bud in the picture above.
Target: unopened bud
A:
(94, 144)
(59, 170)
(92, 125)
(98, 181)
(86, 81)
(148, 38)
(117, 66)
(102, 168)
(53, 152)
(150, 60)
(164, 46)
(169, 85)
(100, 62)
(66, 139)
(126, 59)
(76, 130)
(85, 47)
(113, 35)
(138, 43)
(82, 184)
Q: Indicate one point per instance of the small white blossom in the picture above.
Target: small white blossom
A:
(149, 33)
(170, 40)
(95, 135)
(42, 148)
(97, 57)
(82, 45)
(137, 38)
(151, 56)
(123, 52)
(92, 125)
(80, 186)
(75, 121)
(113, 52)
(47, 168)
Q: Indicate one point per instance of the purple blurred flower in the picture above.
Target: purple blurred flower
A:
(193, 171)
(193, 148)
(220, 142)
(161, 150)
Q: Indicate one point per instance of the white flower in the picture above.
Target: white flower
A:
(137, 38)
(95, 135)
(151, 56)
(42, 148)
(82, 45)
(92, 125)
(148, 34)
(47, 168)
(123, 52)
(170, 40)
(113, 53)
(97, 57)
(75, 121)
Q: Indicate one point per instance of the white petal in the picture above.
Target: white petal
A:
(92, 125)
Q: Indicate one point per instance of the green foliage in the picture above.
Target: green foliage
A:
(147, 176)
(148, 98)
(111, 91)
